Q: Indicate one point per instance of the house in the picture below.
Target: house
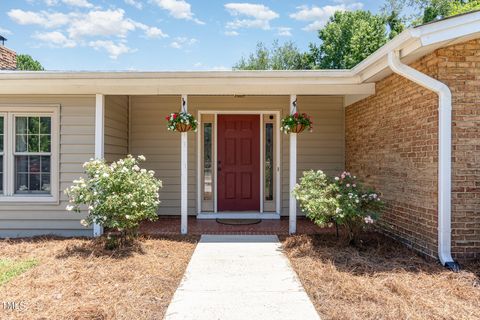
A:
(406, 120)
(8, 58)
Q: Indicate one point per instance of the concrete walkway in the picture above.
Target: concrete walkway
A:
(240, 277)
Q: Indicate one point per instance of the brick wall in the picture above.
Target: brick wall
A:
(392, 144)
(8, 59)
(459, 68)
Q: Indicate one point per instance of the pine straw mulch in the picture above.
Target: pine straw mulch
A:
(380, 279)
(77, 279)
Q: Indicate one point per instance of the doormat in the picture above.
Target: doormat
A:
(238, 222)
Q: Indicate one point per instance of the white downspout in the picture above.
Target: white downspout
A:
(444, 152)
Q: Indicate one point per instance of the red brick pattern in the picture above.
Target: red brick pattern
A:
(8, 59)
(171, 225)
(459, 68)
(392, 144)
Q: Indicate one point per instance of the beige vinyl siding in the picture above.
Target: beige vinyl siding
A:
(321, 149)
(149, 136)
(77, 145)
(116, 127)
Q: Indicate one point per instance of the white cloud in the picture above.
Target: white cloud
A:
(284, 31)
(231, 33)
(318, 16)
(71, 29)
(134, 3)
(54, 39)
(101, 23)
(113, 49)
(257, 11)
(154, 32)
(181, 42)
(248, 23)
(42, 18)
(73, 3)
(254, 15)
(179, 9)
(78, 3)
(151, 32)
(4, 31)
(95, 23)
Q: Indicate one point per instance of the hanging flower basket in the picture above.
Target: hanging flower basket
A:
(182, 127)
(298, 128)
(296, 123)
(181, 122)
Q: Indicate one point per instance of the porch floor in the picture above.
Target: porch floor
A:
(171, 226)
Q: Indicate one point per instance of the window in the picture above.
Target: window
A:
(32, 155)
(28, 154)
(207, 162)
(269, 161)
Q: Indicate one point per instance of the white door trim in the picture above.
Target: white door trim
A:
(215, 214)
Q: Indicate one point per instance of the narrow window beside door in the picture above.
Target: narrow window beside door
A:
(207, 162)
(269, 161)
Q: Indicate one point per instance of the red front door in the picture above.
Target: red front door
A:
(238, 162)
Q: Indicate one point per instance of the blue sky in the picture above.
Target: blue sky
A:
(159, 34)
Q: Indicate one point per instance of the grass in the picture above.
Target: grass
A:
(79, 279)
(380, 279)
(10, 268)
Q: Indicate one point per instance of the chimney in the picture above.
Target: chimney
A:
(8, 58)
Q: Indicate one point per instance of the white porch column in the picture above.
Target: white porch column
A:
(99, 142)
(293, 172)
(184, 172)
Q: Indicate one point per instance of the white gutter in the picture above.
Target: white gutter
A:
(444, 152)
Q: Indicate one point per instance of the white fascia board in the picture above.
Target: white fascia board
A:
(175, 87)
(256, 74)
(410, 41)
(450, 28)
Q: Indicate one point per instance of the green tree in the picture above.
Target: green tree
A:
(348, 38)
(457, 7)
(27, 63)
(391, 11)
(438, 9)
(278, 57)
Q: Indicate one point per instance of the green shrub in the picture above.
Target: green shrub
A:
(118, 196)
(342, 200)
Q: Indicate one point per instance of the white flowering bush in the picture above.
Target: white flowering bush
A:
(118, 196)
(342, 200)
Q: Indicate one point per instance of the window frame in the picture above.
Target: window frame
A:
(208, 205)
(2, 153)
(270, 205)
(12, 112)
